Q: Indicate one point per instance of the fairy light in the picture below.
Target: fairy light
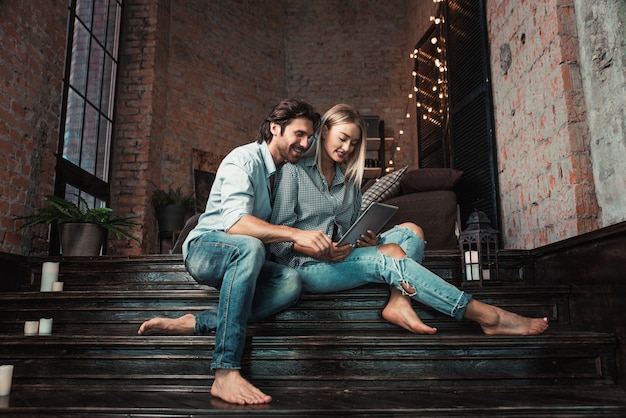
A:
(428, 112)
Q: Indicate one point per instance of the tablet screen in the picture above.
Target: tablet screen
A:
(373, 218)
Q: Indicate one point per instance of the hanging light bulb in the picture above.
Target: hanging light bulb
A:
(435, 19)
(401, 132)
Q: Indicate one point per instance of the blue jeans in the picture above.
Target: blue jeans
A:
(369, 265)
(251, 288)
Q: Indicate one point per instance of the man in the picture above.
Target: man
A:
(226, 250)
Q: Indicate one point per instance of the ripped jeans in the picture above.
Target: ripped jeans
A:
(369, 265)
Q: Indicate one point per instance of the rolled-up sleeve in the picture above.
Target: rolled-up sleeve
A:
(238, 195)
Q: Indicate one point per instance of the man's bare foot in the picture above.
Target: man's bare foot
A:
(399, 311)
(497, 321)
(184, 325)
(231, 387)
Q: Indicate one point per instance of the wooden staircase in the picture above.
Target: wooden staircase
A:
(331, 355)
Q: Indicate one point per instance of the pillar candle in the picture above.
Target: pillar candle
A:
(49, 275)
(471, 265)
(6, 377)
(31, 327)
(45, 326)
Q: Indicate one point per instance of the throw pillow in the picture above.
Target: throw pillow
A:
(385, 188)
(429, 179)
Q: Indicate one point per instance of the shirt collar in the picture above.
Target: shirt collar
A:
(311, 162)
(270, 167)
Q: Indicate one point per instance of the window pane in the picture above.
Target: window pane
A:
(73, 127)
(84, 10)
(73, 194)
(80, 54)
(96, 63)
(90, 140)
(104, 136)
(115, 17)
(108, 87)
(100, 17)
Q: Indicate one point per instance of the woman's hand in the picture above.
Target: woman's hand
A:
(367, 240)
(339, 253)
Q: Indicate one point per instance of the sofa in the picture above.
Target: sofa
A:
(425, 197)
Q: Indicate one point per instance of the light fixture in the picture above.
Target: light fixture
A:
(479, 251)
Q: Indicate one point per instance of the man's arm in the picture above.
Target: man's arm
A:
(268, 233)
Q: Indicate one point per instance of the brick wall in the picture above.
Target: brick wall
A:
(355, 52)
(32, 33)
(546, 183)
(198, 74)
(140, 115)
(194, 74)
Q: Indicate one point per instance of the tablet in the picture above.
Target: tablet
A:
(373, 218)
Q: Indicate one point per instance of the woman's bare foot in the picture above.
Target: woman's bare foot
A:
(497, 321)
(400, 312)
(185, 325)
(231, 387)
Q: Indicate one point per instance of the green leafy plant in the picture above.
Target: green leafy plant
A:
(60, 211)
(172, 196)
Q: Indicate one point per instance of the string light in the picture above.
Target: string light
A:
(440, 86)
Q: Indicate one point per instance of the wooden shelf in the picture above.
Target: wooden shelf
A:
(372, 172)
(373, 144)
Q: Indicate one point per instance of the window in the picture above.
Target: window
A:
(86, 124)
(454, 105)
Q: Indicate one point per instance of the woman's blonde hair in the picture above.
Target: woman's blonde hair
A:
(355, 162)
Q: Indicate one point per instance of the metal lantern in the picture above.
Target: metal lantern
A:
(479, 251)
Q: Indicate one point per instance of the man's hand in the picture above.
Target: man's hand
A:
(313, 243)
(333, 253)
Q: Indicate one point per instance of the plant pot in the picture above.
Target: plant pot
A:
(170, 217)
(81, 239)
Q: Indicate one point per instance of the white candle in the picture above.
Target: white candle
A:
(471, 265)
(6, 377)
(49, 275)
(31, 327)
(45, 326)
(57, 286)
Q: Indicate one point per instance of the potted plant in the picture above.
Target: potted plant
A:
(171, 206)
(82, 230)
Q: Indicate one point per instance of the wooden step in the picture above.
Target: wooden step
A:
(116, 312)
(116, 270)
(330, 402)
(330, 355)
(313, 360)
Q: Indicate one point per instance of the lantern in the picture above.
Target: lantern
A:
(479, 251)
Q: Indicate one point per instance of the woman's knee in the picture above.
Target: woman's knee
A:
(415, 228)
(392, 250)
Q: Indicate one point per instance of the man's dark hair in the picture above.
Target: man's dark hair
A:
(283, 113)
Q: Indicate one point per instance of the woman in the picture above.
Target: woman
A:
(322, 192)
